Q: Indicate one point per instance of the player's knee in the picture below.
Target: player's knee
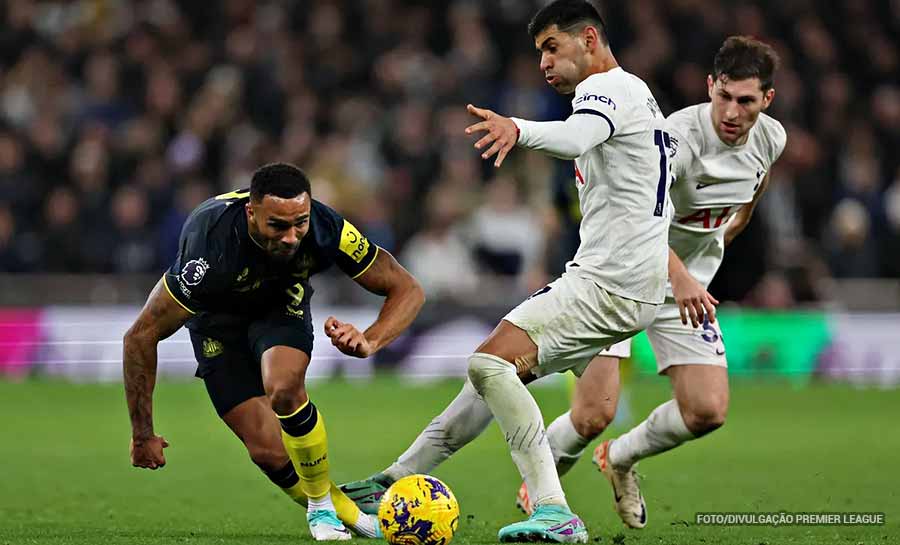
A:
(286, 397)
(484, 366)
(590, 422)
(705, 415)
(476, 372)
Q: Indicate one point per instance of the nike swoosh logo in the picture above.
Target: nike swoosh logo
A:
(701, 186)
(350, 490)
(719, 351)
(615, 492)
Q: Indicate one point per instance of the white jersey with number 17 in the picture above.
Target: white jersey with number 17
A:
(623, 188)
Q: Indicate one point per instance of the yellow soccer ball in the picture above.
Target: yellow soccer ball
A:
(418, 510)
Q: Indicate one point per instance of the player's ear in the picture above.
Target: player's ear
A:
(768, 97)
(710, 83)
(590, 37)
(249, 208)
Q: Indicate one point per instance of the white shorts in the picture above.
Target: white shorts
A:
(572, 319)
(674, 343)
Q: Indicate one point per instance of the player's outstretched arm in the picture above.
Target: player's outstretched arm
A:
(740, 221)
(403, 297)
(562, 139)
(160, 317)
(692, 298)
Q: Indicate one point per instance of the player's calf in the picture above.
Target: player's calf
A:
(571, 432)
(593, 408)
(268, 459)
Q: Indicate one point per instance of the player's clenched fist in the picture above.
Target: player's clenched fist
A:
(148, 453)
(346, 338)
(502, 133)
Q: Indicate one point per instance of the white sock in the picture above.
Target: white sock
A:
(322, 503)
(664, 429)
(461, 422)
(520, 419)
(365, 525)
(566, 443)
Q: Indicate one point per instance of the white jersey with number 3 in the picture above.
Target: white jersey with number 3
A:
(713, 181)
(623, 188)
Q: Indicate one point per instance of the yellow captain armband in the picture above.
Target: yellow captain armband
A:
(353, 243)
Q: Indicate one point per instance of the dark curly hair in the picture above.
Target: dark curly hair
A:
(743, 57)
(569, 16)
(279, 179)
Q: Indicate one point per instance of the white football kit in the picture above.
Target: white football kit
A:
(612, 288)
(713, 181)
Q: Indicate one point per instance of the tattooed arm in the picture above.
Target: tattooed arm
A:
(160, 317)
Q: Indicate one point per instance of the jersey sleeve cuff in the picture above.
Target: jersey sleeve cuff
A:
(367, 267)
(172, 294)
(521, 131)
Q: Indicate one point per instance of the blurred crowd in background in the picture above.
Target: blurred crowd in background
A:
(118, 117)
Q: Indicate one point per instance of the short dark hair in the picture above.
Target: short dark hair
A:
(743, 57)
(568, 15)
(279, 179)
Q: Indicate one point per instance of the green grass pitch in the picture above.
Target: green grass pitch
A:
(66, 477)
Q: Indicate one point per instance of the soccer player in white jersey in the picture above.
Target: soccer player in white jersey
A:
(726, 148)
(611, 289)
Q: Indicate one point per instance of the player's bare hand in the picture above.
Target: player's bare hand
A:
(502, 133)
(148, 453)
(346, 338)
(693, 300)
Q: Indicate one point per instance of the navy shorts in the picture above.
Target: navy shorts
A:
(228, 360)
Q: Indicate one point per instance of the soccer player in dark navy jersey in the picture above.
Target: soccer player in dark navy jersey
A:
(240, 284)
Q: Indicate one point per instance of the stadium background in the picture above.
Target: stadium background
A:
(117, 117)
